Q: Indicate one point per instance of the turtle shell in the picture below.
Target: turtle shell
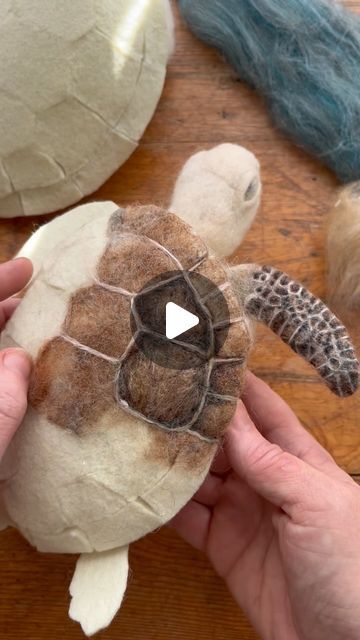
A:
(90, 72)
(114, 443)
(147, 244)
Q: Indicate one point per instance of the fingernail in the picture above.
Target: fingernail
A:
(17, 361)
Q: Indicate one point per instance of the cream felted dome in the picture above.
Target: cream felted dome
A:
(79, 82)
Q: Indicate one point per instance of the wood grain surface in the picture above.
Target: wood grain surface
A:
(173, 593)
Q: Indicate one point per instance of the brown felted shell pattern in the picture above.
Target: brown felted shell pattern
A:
(95, 364)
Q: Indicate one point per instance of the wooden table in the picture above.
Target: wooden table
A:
(173, 593)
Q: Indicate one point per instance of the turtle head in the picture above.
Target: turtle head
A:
(218, 190)
(301, 320)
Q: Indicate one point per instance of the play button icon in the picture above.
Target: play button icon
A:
(178, 320)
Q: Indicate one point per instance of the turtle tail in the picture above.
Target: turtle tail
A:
(302, 321)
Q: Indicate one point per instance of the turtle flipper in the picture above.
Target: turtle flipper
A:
(98, 587)
(302, 321)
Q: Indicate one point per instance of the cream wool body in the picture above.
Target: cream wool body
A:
(99, 462)
(224, 182)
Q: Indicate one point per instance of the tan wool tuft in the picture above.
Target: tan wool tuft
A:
(343, 250)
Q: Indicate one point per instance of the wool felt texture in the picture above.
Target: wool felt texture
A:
(303, 56)
(198, 400)
(343, 250)
(98, 487)
(90, 469)
(73, 414)
(302, 321)
(78, 85)
(218, 190)
(97, 588)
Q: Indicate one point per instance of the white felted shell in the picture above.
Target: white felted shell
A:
(79, 82)
(79, 493)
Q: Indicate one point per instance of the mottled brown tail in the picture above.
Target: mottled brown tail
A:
(302, 321)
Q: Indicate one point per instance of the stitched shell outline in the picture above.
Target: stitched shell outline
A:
(96, 359)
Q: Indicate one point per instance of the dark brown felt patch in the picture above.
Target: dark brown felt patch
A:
(227, 378)
(237, 341)
(189, 451)
(99, 319)
(166, 396)
(171, 232)
(220, 312)
(167, 230)
(71, 387)
(151, 308)
(215, 417)
(129, 262)
(214, 271)
(138, 217)
(115, 222)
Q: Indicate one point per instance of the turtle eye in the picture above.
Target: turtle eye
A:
(252, 189)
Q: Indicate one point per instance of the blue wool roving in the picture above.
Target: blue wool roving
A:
(304, 57)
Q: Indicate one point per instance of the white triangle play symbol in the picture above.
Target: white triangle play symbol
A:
(178, 320)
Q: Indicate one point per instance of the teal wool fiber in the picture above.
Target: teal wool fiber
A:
(304, 57)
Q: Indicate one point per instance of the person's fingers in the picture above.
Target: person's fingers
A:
(192, 523)
(278, 476)
(15, 367)
(278, 424)
(7, 308)
(220, 465)
(210, 490)
(14, 276)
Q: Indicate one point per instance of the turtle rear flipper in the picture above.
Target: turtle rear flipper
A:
(98, 587)
(302, 321)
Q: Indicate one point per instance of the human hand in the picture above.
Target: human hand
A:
(14, 363)
(280, 522)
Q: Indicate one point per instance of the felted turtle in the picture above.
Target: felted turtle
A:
(123, 422)
(75, 70)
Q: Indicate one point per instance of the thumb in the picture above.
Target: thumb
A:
(15, 367)
(278, 476)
